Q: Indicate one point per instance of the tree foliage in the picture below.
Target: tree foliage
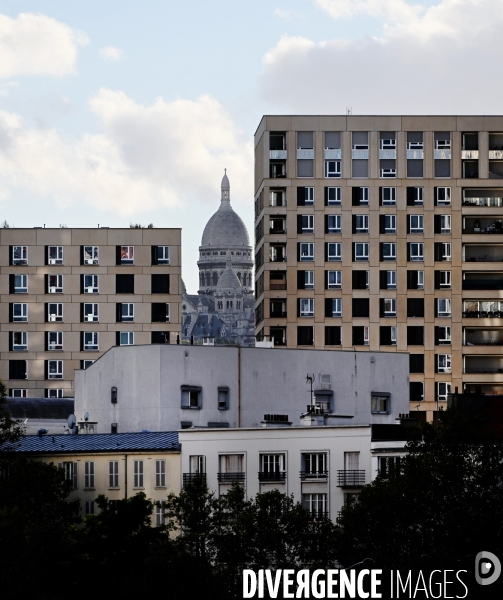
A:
(10, 430)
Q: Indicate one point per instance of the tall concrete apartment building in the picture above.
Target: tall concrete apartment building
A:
(384, 233)
(68, 295)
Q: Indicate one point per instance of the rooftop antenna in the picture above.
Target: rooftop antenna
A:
(310, 379)
(349, 110)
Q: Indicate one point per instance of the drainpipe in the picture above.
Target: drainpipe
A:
(239, 386)
(125, 476)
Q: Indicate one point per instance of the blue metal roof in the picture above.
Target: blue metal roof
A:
(95, 442)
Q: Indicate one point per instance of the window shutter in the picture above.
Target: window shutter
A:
(326, 280)
(298, 306)
(415, 336)
(436, 307)
(416, 363)
(46, 283)
(12, 281)
(435, 194)
(437, 226)
(326, 223)
(383, 280)
(326, 251)
(46, 312)
(415, 307)
(82, 340)
(385, 336)
(328, 307)
(381, 307)
(408, 223)
(355, 280)
(358, 336)
(162, 312)
(117, 255)
(437, 280)
(117, 338)
(332, 336)
(11, 313)
(410, 196)
(301, 280)
(436, 363)
(46, 369)
(360, 307)
(75, 481)
(118, 312)
(298, 251)
(155, 257)
(408, 251)
(382, 223)
(411, 280)
(381, 253)
(46, 255)
(11, 259)
(11, 336)
(301, 196)
(299, 223)
(415, 390)
(82, 284)
(155, 312)
(326, 196)
(46, 341)
(353, 252)
(380, 196)
(437, 336)
(355, 196)
(81, 312)
(82, 255)
(124, 284)
(353, 221)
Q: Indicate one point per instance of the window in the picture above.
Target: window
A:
(361, 251)
(416, 363)
(361, 336)
(306, 307)
(444, 363)
(416, 390)
(89, 474)
(90, 312)
(305, 224)
(442, 280)
(387, 280)
(333, 196)
(90, 340)
(54, 340)
(380, 403)
(90, 255)
(231, 467)
(388, 464)
(314, 465)
(334, 251)
(333, 307)
(160, 473)
(388, 195)
(54, 393)
(415, 335)
(17, 369)
(197, 464)
(125, 255)
(444, 307)
(308, 195)
(420, 280)
(332, 168)
(387, 170)
(360, 196)
(316, 505)
(334, 280)
(223, 398)
(125, 338)
(361, 223)
(333, 224)
(84, 364)
(272, 467)
(442, 144)
(191, 396)
(54, 369)
(160, 284)
(387, 336)
(442, 251)
(414, 196)
(442, 389)
(19, 255)
(415, 307)
(160, 515)
(305, 336)
(18, 393)
(387, 144)
(124, 284)
(71, 473)
(389, 223)
(416, 224)
(445, 223)
(360, 280)
(415, 280)
(54, 312)
(125, 312)
(443, 335)
(361, 307)
(54, 255)
(160, 312)
(160, 255)
(388, 251)
(19, 340)
(19, 313)
(332, 335)
(416, 251)
(277, 198)
(89, 507)
(113, 474)
(90, 284)
(137, 473)
(54, 284)
(388, 307)
(20, 284)
(306, 251)
(442, 196)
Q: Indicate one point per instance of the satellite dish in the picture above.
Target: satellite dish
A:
(71, 421)
(86, 416)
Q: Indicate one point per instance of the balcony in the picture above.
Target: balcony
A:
(238, 476)
(415, 154)
(482, 226)
(483, 253)
(277, 285)
(188, 477)
(271, 476)
(305, 153)
(469, 154)
(482, 314)
(495, 154)
(387, 154)
(277, 254)
(483, 364)
(360, 154)
(332, 154)
(478, 201)
(483, 337)
(442, 154)
(483, 281)
(313, 476)
(277, 154)
(351, 479)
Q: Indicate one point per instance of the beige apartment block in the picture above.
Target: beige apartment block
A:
(68, 295)
(385, 233)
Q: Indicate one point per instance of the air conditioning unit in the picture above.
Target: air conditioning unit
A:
(52, 317)
(52, 290)
(90, 290)
(89, 261)
(89, 317)
(52, 261)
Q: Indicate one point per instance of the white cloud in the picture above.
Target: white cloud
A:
(33, 44)
(288, 14)
(436, 59)
(111, 53)
(168, 154)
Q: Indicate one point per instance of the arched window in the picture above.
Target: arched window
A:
(215, 278)
(208, 279)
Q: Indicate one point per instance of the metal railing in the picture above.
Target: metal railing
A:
(313, 475)
(272, 475)
(230, 477)
(188, 477)
(482, 314)
(347, 478)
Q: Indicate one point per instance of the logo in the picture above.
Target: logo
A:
(487, 568)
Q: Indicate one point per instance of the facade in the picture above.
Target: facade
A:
(68, 295)
(222, 310)
(323, 467)
(162, 388)
(384, 233)
(118, 466)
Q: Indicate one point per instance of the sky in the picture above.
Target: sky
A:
(119, 112)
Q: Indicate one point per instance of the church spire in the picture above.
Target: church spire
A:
(226, 190)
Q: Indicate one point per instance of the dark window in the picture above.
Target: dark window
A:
(305, 336)
(412, 280)
(361, 307)
(160, 337)
(332, 336)
(359, 337)
(223, 398)
(416, 390)
(386, 337)
(160, 313)
(160, 284)
(124, 284)
(415, 307)
(416, 363)
(301, 196)
(414, 168)
(415, 336)
(17, 369)
(360, 279)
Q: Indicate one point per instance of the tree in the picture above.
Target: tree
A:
(10, 430)
(443, 504)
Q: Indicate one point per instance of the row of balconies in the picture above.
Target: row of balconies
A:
(345, 477)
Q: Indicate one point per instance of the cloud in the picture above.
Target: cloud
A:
(167, 154)
(33, 44)
(433, 60)
(288, 14)
(111, 53)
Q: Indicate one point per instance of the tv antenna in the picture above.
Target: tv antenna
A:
(349, 110)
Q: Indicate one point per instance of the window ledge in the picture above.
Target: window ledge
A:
(138, 488)
(161, 487)
(89, 489)
(114, 488)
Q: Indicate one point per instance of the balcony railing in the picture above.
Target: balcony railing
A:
(278, 258)
(272, 476)
(276, 230)
(317, 515)
(188, 477)
(360, 154)
(313, 475)
(347, 478)
(468, 370)
(484, 230)
(483, 284)
(441, 154)
(277, 154)
(483, 258)
(496, 201)
(495, 154)
(482, 314)
(305, 153)
(387, 154)
(277, 285)
(472, 342)
(230, 477)
(278, 314)
(415, 154)
(332, 154)
(469, 154)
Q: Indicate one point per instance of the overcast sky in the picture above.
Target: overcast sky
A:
(114, 112)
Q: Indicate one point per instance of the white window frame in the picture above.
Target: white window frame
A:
(391, 280)
(54, 340)
(89, 474)
(336, 192)
(55, 393)
(442, 144)
(164, 251)
(191, 398)
(391, 227)
(332, 169)
(447, 339)
(419, 199)
(443, 389)
(127, 255)
(91, 340)
(57, 255)
(444, 363)
(446, 254)
(23, 342)
(309, 195)
(364, 196)
(23, 310)
(57, 366)
(389, 144)
(126, 338)
(22, 288)
(416, 250)
(366, 335)
(447, 277)
(91, 284)
(446, 304)
(336, 307)
(86, 363)
(54, 284)
(445, 224)
(334, 252)
(391, 192)
(392, 255)
(389, 308)
(336, 227)
(22, 258)
(361, 251)
(272, 463)
(138, 474)
(393, 335)
(160, 473)
(420, 280)
(380, 405)
(336, 284)
(306, 251)
(92, 316)
(57, 315)
(307, 223)
(387, 173)
(127, 312)
(306, 307)
(19, 393)
(315, 504)
(113, 474)
(91, 255)
(160, 514)
(415, 146)
(364, 226)
(443, 196)
(309, 280)
(416, 223)
(274, 195)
